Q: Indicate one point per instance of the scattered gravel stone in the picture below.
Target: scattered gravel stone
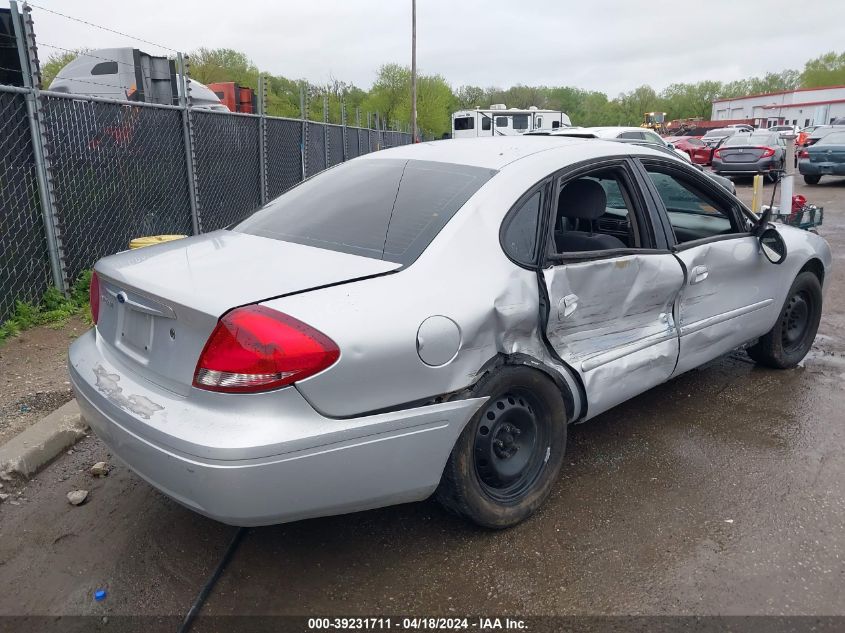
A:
(77, 497)
(100, 469)
(3, 497)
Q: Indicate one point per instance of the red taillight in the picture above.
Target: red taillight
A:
(767, 151)
(94, 297)
(803, 154)
(256, 349)
(717, 153)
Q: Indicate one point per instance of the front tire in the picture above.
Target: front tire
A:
(788, 342)
(812, 180)
(506, 460)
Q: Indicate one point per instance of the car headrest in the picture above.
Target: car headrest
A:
(582, 199)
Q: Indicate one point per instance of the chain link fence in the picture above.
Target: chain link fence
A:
(227, 167)
(118, 170)
(24, 263)
(284, 155)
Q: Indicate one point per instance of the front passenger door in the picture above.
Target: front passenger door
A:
(727, 298)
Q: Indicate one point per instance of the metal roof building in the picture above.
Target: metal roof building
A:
(802, 107)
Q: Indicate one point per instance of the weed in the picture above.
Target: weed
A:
(54, 308)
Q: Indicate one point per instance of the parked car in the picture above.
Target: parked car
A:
(804, 134)
(714, 138)
(825, 158)
(429, 319)
(742, 127)
(747, 154)
(695, 148)
(783, 129)
(820, 132)
(614, 133)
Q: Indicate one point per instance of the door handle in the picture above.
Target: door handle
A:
(698, 274)
(566, 306)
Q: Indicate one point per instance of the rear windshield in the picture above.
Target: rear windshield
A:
(381, 208)
(837, 138)
(751, 139)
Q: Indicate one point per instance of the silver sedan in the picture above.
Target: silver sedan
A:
(429, 319)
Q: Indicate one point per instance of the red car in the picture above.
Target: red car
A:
(698, 152)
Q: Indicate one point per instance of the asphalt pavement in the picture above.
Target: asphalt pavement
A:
(720, 492)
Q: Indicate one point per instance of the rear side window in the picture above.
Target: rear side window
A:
(381, 208)
(464, 123)
(519, 234)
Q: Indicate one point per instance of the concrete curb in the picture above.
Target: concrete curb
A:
(30, 450)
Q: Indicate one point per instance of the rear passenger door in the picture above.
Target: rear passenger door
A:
(728, 292)
(611, 283)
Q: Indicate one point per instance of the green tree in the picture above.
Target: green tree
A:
(470, 97)
(210, 65)
(825, 70)
(55, 62)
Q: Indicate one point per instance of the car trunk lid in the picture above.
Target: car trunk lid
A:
(827, 154)
(158, 305)
(744, 154)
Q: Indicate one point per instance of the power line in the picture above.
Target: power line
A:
(104, 28)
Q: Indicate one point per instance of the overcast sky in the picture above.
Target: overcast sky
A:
(607, 45)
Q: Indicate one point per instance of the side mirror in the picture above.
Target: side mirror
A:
(773, 246)
(763, 222)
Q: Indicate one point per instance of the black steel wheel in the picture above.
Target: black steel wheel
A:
(792, 336)
(510, 445)
(508, 456)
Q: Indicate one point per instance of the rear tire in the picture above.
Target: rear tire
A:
(812, 180)
(788, 342)
(506, 460)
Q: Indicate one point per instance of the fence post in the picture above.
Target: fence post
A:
(357, 117)
(188, 137)
(262, 137)
(303, 147)
(326, 149)
(31, 73)
(343, 123)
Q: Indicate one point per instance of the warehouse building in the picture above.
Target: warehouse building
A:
(802, 107)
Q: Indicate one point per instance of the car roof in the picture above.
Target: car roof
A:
(496, 152)
(493, 152)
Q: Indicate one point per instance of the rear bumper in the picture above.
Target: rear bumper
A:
(260, 465)
(806, 168)
(758, 167)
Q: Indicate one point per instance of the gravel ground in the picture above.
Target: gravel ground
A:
(34, 374)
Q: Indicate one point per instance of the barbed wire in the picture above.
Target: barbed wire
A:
(104, 28)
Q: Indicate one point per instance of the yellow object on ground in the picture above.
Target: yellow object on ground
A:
(757, 195)
(151, 240)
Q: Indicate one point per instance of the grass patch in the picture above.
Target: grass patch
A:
(55, 309)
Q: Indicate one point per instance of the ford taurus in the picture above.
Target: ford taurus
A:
(428, 320)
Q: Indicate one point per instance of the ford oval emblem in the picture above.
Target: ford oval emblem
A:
(121, 297)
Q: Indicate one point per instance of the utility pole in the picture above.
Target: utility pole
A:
(414, 71)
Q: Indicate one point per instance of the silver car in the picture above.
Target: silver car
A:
(429, 319)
